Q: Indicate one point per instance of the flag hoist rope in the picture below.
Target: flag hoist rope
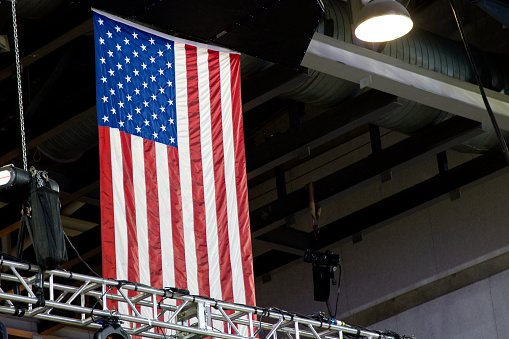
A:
(20, 93)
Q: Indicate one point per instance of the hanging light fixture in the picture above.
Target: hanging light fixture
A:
(383, 20)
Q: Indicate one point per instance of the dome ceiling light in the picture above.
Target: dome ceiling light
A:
(383, 20)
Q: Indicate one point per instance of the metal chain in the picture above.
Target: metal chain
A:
(20, 93)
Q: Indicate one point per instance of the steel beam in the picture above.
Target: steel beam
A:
(396, 206)
(428, 142)
(319, 130)
(356, 64)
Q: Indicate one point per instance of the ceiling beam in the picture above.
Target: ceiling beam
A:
(326, 127)
(428, 142)
(415, 198)
(399, 205)
(378, 71)
(84, 27)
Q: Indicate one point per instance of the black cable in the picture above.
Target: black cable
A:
(337, 295)
(501, 139)
(83, 261)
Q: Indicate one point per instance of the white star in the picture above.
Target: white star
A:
(154, 97)
(113, 110)
(154, 116)
(103, 61)
(135, 35)
(126, 41)
(146, 122)
(136, 72)
(121, 104)
(135, 54)
(138, 110)
(161, 90)
(127, 60)
(129, 98)
(155, 135)
(163, 128)
(128, 78)
(169, 83)
(117, 28)
(100, 21)
(110, 54)
(119, 48)
(119, 66)
(109, 34)
(152, 41)
(143, 47)
(152, 59)
(112, 91)
(170, 120)
(144, 66)
(168, 46)
(170, 102)
(105, 98)
(145, 103)
(160, 53)
(103, 79)
(153, 78)
(162, 108)
(137, 91)
(138, 129)
(168, 64)
(120, 85)
(172, 140)
(105, 118)
(161, 72)
(112, 72)
(129, 117)
(144, 84)
(101, 41)
(121, 123)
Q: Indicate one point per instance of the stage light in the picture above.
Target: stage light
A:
(111, 329)
(383, 20)
(11, 176)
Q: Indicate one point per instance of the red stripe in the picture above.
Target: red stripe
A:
(219, 175)
(241, 181)
(133, 268)
(107, 217)
(200, 231)
(153, 228)
(179, 251)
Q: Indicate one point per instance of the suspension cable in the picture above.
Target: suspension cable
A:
(20, 93)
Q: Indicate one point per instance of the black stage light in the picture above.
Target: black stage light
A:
(111, 329)
(3, 331)
(14, 177)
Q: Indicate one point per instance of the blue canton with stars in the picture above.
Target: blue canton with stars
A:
(135, 78)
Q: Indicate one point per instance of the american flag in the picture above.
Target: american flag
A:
(174, 199)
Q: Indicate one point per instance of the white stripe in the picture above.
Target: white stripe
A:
(185, 167)
(166, 232)
(239, 294)
(140, 200)
(119, 215)
(162, 35)
(163, 187)
(208, 174)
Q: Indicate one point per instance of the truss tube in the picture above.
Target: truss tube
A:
(318, 330)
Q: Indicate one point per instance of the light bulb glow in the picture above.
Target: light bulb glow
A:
(384, 28)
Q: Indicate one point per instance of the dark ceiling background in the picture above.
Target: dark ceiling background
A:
(56, 44)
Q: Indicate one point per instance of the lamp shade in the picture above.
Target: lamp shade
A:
(383, 20)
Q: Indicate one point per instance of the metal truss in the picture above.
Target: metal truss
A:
(86, 301)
